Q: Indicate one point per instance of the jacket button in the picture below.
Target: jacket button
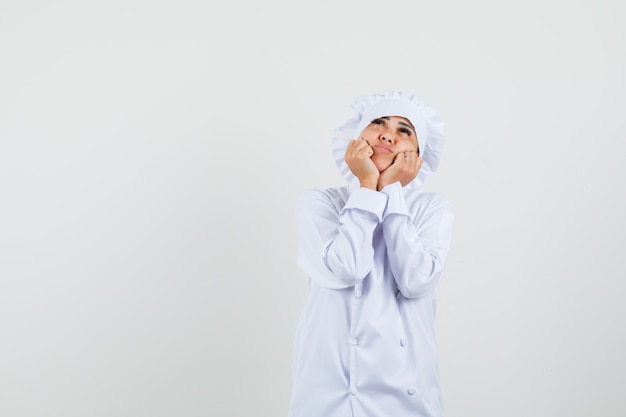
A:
(354, 341)
(402, 342)
(411, 390)
(358, 293)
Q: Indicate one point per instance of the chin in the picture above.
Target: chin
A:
(382, 165)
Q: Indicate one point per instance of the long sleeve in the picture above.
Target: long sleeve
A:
(335, 243)
(417, 240)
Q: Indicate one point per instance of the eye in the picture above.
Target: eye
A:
(405, 131)
(379, 122)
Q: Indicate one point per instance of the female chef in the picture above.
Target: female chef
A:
(373, 252)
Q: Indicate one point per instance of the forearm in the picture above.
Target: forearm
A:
(417, 240)
(416, 263)
(335, 247)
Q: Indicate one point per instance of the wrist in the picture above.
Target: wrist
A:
(370, 183)
(382, 184)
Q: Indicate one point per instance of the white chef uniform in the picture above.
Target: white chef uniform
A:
(365, 343)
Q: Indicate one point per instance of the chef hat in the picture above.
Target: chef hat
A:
(427, 122)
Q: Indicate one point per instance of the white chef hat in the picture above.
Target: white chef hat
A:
(427, 122)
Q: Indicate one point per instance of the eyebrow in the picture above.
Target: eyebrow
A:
(409, 126)
(400, 123)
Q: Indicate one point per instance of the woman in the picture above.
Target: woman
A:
(373, 252)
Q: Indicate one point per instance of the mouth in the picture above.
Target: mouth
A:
(383, 149)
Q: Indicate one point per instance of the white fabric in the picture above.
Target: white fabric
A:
(365, 343)
(427, 121)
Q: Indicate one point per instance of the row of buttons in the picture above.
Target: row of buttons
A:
(358, 293)
(410, 390)
(355, 341)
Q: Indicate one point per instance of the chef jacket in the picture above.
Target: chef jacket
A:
(365, 342)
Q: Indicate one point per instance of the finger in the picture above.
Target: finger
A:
(403, 157)
(412, 158)
(359, 149)
(353, 147)
(364, 148)
(353, 144)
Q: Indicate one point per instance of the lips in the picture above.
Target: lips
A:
(383, 149)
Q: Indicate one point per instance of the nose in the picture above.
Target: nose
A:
(387, 137)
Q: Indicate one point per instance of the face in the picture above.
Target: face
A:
(388, 136)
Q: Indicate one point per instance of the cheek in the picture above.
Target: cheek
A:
(369, 139)
(368, 136)
(408, 146)
(382, 162)
(370, 133)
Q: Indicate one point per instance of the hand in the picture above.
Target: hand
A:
(358, 159)
(404, 168)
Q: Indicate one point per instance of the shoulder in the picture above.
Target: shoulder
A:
(424, 201)
(332, 197)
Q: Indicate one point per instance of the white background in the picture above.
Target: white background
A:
(151, 153)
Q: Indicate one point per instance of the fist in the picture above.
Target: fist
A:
(405, 167)
(357, 157)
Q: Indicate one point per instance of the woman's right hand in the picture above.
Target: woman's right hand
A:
(357, 157)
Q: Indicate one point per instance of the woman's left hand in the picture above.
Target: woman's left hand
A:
(405, 167)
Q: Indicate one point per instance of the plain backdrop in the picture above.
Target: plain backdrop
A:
(151, 153)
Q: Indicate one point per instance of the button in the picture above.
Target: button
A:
(353, 392)
(358, 293)
(411, 390)
(402, 342)
(354, 341)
